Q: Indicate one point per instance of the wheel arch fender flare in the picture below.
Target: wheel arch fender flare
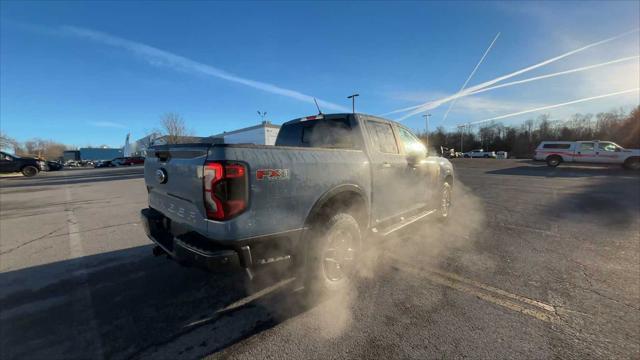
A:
(338, 191)
(554, 155)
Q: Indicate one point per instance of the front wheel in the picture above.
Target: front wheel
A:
(333, 247)
(444, 208)
(632, 164)
(30, 171)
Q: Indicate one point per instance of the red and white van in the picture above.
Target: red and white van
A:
(592, 151)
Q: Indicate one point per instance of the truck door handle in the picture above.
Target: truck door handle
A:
(386, 165)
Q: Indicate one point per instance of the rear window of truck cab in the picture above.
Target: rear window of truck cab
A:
(333, 133)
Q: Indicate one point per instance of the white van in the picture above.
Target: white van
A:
(593, 151)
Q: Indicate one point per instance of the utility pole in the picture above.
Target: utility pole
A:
(427, 116)
(461, 128)
(353, 102)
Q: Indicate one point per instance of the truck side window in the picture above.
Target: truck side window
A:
(412, 146)
(607, 147)
(382, 137)
(6, 157)
(556, 146)
(586, 147)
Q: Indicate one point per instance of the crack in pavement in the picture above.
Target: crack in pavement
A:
(47, 236)
(34, 240)
(591, 289)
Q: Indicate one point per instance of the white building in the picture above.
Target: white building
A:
(139, 147)
(261, 134)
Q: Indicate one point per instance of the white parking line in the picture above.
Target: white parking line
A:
(84, 315)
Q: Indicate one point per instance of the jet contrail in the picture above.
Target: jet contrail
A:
(565, 72)
(436, 103)
(160, 57)
(444, 118)
(556, 105)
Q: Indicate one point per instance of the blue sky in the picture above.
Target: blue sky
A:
(89, 72)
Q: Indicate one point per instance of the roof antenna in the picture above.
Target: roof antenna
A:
(319, 111)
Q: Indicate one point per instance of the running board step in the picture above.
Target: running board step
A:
(404, 222)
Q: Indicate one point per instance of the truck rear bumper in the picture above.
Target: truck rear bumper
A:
(191, 248)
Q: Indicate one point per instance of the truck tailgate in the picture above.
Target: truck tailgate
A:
(173, 175)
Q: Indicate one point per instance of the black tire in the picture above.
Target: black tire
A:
(444, 206)
(486, 156)
(30, 171)
(632, 164)
(466, 156)
(554, 161)
(332, 254)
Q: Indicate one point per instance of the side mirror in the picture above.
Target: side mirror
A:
(412, 160)
(618, 149)
(415, 159)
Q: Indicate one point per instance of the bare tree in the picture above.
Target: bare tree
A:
(47, 149)
(7, 142)
(174, 129)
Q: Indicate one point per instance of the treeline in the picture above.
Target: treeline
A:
(47, 149)
(617, 126)
(172, 128)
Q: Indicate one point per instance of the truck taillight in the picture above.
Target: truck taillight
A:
(225, 189)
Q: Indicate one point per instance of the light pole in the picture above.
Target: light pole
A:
(353, 102)
(461, 127)
(262, 114)
(427, 116)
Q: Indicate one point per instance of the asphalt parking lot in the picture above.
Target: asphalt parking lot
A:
(535, 263)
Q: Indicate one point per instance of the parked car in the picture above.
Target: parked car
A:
(479, 153)
(26, 165)
(447, 152)
(137, 160)
(103, 163)
(309, 203)
(120, 161)
(502, 155)
(128, 161)
(592, 151)
(54, 166)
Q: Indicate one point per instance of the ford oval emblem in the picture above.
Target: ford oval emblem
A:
(161, 176)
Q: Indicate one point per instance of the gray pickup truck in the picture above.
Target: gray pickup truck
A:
(313, 201)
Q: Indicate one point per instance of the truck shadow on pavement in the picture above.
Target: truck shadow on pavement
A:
(532, 168)
(129, 304)
(606, 201)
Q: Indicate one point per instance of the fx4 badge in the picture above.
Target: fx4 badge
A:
(272, 174)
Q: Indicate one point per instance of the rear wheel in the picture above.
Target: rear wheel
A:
(486, 156)
(333, 247)
(30, 171)
(554, 161)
